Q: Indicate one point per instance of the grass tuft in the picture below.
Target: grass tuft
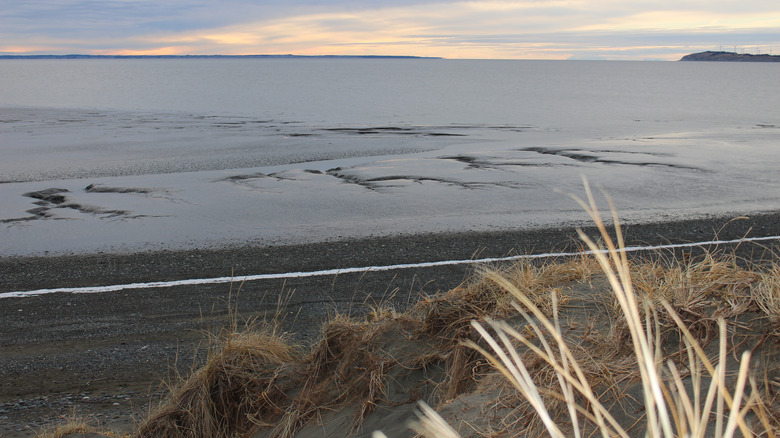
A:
(766, 294)
(242, 387)
(75, 427)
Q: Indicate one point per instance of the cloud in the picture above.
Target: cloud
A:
(504, 29)
(463, 29)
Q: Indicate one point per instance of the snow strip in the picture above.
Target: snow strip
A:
(241, 279)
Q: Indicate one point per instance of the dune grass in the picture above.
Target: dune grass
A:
(647, 359)
(691, 394)
(255, 383)
(596, 345)
(235, 391)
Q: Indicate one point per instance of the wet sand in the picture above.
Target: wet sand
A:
(77, 181)
(106, 354)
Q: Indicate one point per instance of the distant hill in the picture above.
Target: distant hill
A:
(203, 56)
(730, 57)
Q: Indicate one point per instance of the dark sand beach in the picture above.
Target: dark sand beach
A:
(106, 355)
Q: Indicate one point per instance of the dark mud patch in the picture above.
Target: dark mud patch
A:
(40, 212)
(351, 179)
(52, 199)
(485, 164)
(471, 185)
(92, 188)
(396, 130)
(17, 220)
(47, 200)
(377, 184)
(237, 178)
(587, 156)
(258, 175)
(49, 196)
(97, 211)
(652, 154)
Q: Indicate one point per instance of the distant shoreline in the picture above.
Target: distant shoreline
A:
(730, 57)
(77, 56)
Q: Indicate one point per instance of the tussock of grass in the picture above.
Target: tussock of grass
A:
(343, 367)
(75, 427)
(766, 294)
(243, 386)
(449, 315)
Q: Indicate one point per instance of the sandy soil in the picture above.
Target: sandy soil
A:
(106, 355)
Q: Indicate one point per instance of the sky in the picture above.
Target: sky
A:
(521, 29)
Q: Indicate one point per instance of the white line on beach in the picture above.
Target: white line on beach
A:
(241, 279)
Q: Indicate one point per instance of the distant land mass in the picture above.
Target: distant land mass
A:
(730, 57)
(205, 56)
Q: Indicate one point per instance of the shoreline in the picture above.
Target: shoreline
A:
(76, 270)
(105, 354)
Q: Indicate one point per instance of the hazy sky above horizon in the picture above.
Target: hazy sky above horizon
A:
(541, 29)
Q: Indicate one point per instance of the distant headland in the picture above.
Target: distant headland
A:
(730, 57)
(206, 56)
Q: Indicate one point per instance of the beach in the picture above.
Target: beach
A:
(182, 170)
(108, 354)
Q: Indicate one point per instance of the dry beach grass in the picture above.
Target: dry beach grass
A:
(666, 345)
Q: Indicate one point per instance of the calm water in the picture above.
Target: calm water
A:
(193, 152)
(555, 94)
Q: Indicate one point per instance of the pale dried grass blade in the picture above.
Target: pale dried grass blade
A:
(430, 424)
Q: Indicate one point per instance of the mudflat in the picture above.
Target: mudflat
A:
(109, 355)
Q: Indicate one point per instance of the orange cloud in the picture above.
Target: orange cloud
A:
(688, 19)
(487, 29)
(26, 49)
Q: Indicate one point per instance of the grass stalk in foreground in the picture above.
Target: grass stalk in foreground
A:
(675, 404)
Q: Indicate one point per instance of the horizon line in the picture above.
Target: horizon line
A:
(79, 55)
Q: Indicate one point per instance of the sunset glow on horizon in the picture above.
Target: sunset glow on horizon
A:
(450, 29)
